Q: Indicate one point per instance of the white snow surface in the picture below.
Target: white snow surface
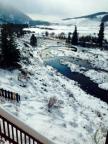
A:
(98, 61)
(99, 77)
(84, 28)
(77, 117)
(104, 85)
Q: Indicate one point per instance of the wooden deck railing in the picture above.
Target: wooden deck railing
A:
(17, 132)
(106, 139)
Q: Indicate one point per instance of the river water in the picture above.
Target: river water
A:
(85, 83)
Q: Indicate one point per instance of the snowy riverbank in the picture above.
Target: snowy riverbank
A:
(76, 117)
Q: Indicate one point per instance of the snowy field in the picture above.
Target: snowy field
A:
(76, 117)
(83, 30)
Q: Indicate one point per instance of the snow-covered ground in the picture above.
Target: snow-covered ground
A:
(97, 62)
(93, 63)
(99, 77)
(76, 117)
(83, 30)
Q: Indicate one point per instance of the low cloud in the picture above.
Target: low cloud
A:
(59, 8)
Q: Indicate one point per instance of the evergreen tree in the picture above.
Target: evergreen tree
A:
(101, 35)
(46, 33)
(10, 53)
(33, 40)
(74, 40)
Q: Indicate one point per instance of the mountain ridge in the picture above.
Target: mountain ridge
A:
(90, 16)
(9, 14)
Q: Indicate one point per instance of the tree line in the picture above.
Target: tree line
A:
(74, 39)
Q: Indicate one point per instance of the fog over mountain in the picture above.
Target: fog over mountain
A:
(22, 15)
(51, 9)
(9, 14)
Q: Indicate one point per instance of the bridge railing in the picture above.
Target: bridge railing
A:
(17, 132)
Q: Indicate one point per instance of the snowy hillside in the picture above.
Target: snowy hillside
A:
(76, 117)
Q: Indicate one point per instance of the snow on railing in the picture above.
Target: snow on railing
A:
(17, 132)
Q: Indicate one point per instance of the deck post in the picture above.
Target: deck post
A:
(106, 139)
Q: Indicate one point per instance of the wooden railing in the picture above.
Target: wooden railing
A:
(16, 132)
(9, 95)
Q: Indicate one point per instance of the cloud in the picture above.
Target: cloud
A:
(59, 8)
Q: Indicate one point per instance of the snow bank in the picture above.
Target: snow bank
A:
(104, 86)
(99, 77)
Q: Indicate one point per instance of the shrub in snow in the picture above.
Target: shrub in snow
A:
(88, 41)
(46, 33)
(68, 40)
(100, 135)
(52, 101)
(61, 36)
(52, 34)
(33, 40)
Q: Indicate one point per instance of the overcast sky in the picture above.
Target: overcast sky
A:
(47, 9)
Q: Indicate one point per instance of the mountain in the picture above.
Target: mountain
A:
(38, 22)
(91, 16)
(92, 19)
(105, 18)
(9, 14)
